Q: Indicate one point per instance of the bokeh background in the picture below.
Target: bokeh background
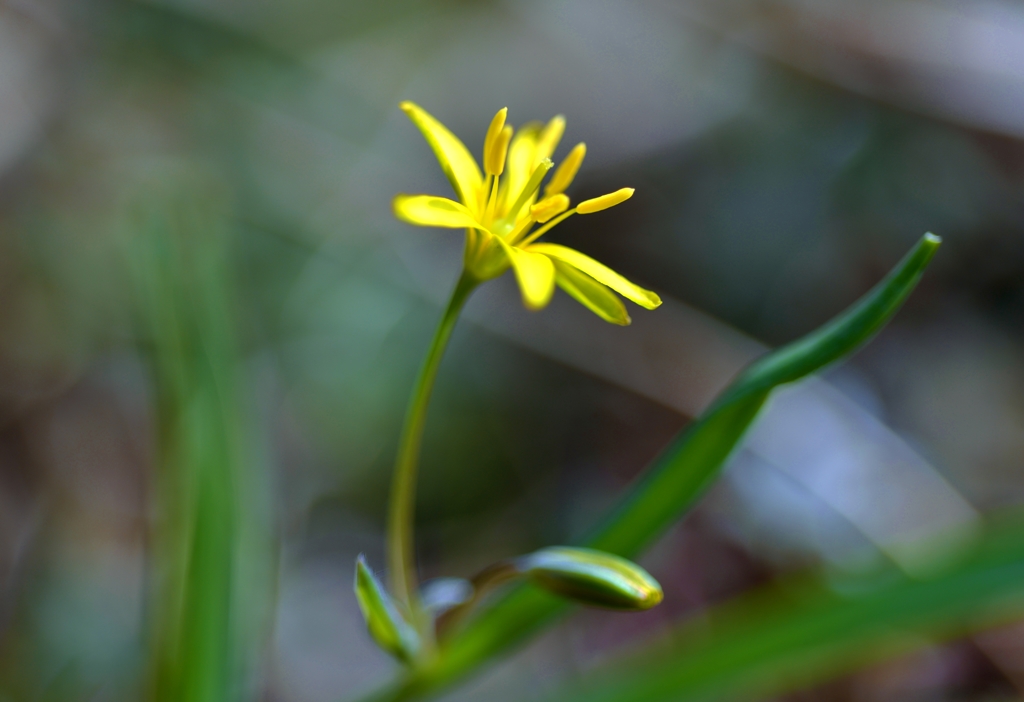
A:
(185, 181)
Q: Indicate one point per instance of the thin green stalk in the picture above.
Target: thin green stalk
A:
(402, 507)
(674, 483)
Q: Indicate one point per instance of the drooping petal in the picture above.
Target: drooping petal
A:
(433, 211)
(535, 273)
(591, 294)
(599, 272)
(456, 161)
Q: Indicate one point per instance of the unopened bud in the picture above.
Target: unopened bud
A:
(592, 577)
(385, 622)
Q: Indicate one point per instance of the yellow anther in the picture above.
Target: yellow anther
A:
(549, 137)
(496, 158)
(492, 141)
(566, 170)
(605, 201)
(549, 207)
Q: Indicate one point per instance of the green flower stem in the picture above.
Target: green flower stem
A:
(402, 507)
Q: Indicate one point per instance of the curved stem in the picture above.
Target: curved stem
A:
(483, 582)
(402, 506)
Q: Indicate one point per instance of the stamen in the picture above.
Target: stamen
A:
(549, 207)
(492, 197)
(531, 187)
(566, 170)
(494, 161)
(519, 231)
(493, 132)
(605, 201)
(546, 228)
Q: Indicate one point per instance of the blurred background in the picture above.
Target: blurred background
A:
(199, 266)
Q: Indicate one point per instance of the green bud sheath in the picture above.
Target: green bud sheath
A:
(385, 622)
(592, 577)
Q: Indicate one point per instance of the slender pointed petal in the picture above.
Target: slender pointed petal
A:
(599, 272)
(591, 294)
(433, 211)
(535, 273)
(455, 159)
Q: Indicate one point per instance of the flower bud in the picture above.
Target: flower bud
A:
(386, 624)
(592, 577)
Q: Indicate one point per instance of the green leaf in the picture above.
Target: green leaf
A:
(804, 631)
(385, 622)
(671, 486)
(591, 577)
(176, 236)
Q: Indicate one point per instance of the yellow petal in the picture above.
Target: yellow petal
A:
(591, 294)
(432, 211)
(605, 201)
(455, 159)
(535, 273)
(567, 170)
(520, 163)
(549, 137)
(599, 272)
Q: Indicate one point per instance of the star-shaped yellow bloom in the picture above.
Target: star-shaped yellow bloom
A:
(504, 216)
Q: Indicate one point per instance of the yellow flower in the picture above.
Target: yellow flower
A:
(503, 217)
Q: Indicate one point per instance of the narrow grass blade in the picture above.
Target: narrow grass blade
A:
(803, 632)
(177, 242)
(682, 473)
